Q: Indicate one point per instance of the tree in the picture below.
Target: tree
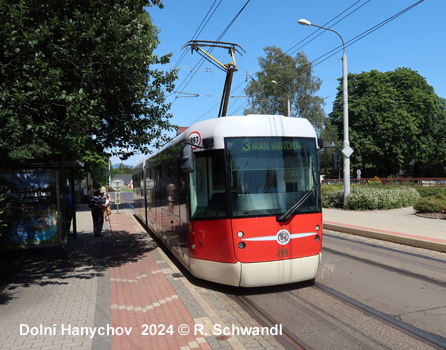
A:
(397, 124)
(294, 81)
(121, 169)
(297, 83)
(75, 75)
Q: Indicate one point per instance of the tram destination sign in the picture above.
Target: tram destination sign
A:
(259, 144)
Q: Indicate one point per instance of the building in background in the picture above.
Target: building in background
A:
(126, 179)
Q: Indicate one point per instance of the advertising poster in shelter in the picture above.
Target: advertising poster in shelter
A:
(31, 207)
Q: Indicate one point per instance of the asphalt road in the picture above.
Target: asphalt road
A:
(125, 203)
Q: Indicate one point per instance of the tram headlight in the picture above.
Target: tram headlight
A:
(240, 234)
(241, 245)
(317, 238)
(318, 227)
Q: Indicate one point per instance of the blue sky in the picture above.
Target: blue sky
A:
(415, 39)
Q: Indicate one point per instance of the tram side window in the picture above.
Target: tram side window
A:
(207, 186)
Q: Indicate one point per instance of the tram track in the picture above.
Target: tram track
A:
(287, 339)
(391, 319)
(290, 341)
(408, 273)
(400, 326)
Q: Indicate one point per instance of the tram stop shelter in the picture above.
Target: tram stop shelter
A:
(33, 211)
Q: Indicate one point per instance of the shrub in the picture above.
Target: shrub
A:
(374, 182)
(332, 195)
(333, 199)
(370, 198)
(431, 191)
(364, 198)
(431, 204)
(325, 188)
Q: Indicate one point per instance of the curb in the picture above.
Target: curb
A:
(388, 236)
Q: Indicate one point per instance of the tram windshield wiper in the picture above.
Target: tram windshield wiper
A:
(285, 216)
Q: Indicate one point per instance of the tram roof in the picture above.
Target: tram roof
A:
(252, 125)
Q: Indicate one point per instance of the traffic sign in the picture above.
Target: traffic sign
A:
(347, 151)
(117, 185)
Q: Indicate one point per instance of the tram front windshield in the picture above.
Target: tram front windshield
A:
(255, 176)
(269, 175)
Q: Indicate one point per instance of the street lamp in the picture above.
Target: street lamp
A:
(347, 150)
(288, 96)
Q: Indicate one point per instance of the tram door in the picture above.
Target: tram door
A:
(146, 189)
(183, 216)
(158, 200)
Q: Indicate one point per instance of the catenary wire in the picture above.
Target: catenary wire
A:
(200, 63)
(364, 34)
(319, 29)
(350, 42)
(198, 31)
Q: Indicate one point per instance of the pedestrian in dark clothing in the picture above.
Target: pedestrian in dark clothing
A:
(69, 208)
(97, 203)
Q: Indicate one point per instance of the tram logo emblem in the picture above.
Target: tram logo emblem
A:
(283, 237)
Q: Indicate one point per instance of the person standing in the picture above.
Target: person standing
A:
(97, 203)
(106, 211)
(69, 208)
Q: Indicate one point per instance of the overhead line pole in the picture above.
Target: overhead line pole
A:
(347, 150)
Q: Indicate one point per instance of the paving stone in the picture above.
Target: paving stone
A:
(120, 280)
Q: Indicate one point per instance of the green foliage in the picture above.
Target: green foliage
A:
(94, 163)
(374, 182)
(325, 188)
(122, 169)
(369, 198)
(365, 198)
(397, 124)
(332, 196)
(295, 81)
(430, 204)
(431, 191)
(75, 76)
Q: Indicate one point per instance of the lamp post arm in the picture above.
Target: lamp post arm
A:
(332, 30)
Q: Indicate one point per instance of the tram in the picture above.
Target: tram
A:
(237, 199)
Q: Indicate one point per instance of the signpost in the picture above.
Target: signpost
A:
(117, 185)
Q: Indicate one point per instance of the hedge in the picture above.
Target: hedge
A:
(366, 198)
(431, 204)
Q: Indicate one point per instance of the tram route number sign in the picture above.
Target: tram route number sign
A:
(195, 138)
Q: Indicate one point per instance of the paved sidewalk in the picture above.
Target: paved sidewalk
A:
(116, 292)
(397, 225)
(121, 291)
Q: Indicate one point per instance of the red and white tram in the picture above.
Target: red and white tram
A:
(237, 199)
